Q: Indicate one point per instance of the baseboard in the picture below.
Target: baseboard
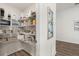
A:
(68, 41)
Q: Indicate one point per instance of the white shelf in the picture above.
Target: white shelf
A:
(27, 26)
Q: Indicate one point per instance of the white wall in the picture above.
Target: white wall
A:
(10, 10)
(46, 47)
(65, 22)
(15, 11)
(28, 10)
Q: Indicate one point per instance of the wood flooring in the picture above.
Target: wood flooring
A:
(20, 53)
(66, 49)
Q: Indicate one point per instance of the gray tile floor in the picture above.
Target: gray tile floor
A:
(20, 53)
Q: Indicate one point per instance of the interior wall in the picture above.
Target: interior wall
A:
(15, 13)
(27, 11)
(47, 47)
(65, 25)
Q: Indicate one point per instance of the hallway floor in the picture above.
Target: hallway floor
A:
(67, 49)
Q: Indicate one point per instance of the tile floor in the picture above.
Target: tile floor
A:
(9, 48)
(20, 53)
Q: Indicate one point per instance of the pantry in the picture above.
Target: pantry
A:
(17, 29)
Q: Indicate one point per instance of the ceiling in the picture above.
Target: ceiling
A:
(20, 6)
(64, 6)
(59, 6)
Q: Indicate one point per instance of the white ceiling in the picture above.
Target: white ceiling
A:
(59, 6)
(20, 6)
(64, 6)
